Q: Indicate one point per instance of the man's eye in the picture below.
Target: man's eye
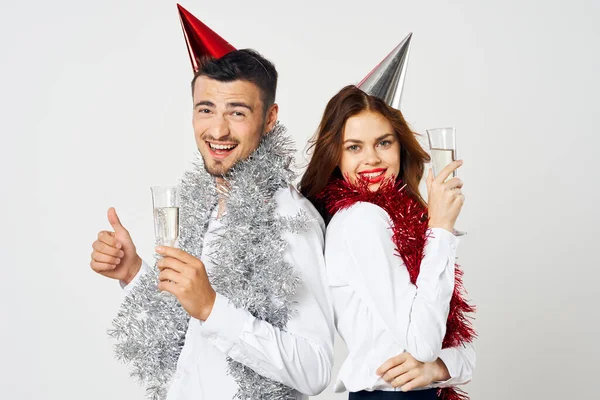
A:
(238, 114)
(203, 110)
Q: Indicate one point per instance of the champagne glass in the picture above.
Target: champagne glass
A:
(442, 146)
(165, 201)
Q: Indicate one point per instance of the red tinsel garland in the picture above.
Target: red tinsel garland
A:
(410, 227)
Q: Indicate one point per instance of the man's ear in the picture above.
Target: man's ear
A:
(271, 117)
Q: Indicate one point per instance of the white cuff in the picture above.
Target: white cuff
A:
(441, 245)
(452, 364)
(144, 268)
(446, 238)
(225, 323)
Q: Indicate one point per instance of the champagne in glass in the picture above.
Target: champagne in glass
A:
(165, 201)
(440, 158)
(442, 146)
(166, 225)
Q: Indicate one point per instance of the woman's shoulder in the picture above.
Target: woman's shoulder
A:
(361, 218)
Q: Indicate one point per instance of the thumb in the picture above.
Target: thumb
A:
(114, 220)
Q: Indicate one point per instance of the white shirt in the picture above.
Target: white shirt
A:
(378, 312)
(300, 357)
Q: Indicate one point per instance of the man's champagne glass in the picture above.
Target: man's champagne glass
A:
(165, 201)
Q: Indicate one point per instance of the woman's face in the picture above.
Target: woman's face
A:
(371, 150)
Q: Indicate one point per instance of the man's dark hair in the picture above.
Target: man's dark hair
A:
(246, 65)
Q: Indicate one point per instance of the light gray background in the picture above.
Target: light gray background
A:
(95, 108)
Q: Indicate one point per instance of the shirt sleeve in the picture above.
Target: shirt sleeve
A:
(360, 248)
(301, 356)
(144, 269)
(460, 362)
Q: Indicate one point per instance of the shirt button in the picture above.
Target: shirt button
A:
(452, 246)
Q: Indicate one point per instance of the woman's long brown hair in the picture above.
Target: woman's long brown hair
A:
(327, 145)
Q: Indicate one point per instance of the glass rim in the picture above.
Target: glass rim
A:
(441, 129)
(164, 187)
(437, 134)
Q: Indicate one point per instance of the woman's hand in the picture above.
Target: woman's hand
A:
(408, 373)
(444, 197)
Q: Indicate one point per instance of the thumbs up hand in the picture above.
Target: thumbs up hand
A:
(114, 255)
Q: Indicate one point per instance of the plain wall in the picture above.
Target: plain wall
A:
(96, 107)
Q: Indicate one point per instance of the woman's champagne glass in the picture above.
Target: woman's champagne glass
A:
(442, 147)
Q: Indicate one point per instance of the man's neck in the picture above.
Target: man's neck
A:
(221, 187)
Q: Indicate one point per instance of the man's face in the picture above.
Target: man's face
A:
(229, 122)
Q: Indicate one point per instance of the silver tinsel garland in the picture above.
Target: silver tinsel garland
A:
(250, 270)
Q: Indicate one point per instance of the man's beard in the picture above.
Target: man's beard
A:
(217, 170)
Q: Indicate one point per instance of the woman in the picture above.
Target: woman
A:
(390, 257)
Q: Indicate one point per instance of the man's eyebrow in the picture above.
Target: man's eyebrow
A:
(207, 103)
(239, 104)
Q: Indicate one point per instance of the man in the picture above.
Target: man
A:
(262, 325)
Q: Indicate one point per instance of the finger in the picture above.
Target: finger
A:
(455, 193)
(109, 238)
(103, 258)
(416, 383)
(172, 263)
(108, 250)
(166, 286)
(453, 183)
(429, 179)
(169, 275)
(445, 173)
(114, 220)
(102, 267)
(460, 198)
(391, 363)
(396, 372)
(176, 253)
(404, 378)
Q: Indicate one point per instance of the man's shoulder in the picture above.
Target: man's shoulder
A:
(290, 202)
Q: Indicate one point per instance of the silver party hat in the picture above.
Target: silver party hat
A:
(386, 80)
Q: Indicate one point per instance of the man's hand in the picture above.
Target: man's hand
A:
(184, 276)
(406, 372)
(114, 255)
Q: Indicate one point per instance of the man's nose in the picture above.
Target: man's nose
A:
(219, 128)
